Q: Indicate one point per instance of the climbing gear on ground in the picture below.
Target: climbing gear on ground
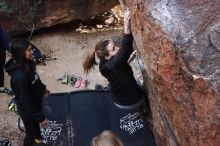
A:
(13, 105)
(107, 88)
(5, 143)
(101, 88)
(6, 90)
(78, 82)
(71, 80)
(37, 141)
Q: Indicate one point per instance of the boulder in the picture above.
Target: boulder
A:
(179, 43)
(21, 16)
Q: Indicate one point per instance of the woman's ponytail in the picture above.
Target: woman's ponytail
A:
(89, 63)
(100, 50)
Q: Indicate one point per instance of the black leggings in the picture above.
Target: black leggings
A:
(32, 129)
(2, 63)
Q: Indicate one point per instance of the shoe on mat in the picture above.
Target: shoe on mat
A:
(72, 80)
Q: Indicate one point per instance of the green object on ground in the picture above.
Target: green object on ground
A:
(65, 78)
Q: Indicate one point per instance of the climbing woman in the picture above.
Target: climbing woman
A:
(28, 89)
(113, 65)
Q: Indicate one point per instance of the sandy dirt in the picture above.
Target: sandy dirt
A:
(70, 48)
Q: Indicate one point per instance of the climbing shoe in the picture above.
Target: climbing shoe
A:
(78, 82)
(83, 84)
(99, 87)
(6, 90)
(107, 88)
(65, 78)
(12, 106)
(71, 80)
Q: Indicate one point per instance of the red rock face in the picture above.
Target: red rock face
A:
(19, 16)
(179, 43)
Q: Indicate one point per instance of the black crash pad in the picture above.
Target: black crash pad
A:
(76, 117)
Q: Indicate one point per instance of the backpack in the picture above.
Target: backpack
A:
(37, 55)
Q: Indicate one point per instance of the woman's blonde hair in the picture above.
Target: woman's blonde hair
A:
(106, 138)
(100, 50)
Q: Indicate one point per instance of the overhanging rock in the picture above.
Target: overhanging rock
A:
(19, 16)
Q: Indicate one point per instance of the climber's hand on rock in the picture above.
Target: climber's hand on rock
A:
(127, 21)
(132, 56)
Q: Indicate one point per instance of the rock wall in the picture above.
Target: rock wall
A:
(179, 43)
(19, 16)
